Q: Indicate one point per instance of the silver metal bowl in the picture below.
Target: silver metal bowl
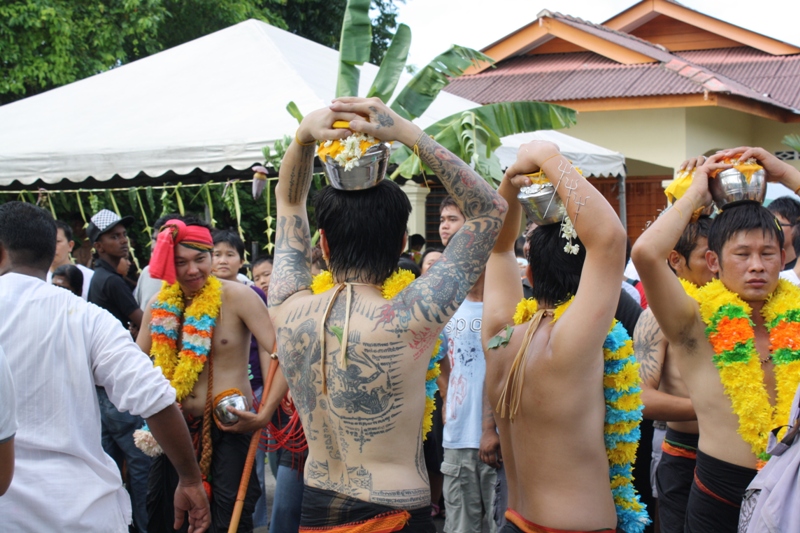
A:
(225, 417)
(370, 170)
(731, 186)
(541, 203)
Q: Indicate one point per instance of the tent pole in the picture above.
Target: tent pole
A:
(622, 197)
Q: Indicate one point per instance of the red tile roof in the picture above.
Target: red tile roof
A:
(744, 71)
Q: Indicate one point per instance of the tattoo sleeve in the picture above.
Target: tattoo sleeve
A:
(647, 340)
(436, 296)
(292, 264)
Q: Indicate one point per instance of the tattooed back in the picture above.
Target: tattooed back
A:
(365, 430)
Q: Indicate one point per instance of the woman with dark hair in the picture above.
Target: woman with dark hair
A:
(70, 277)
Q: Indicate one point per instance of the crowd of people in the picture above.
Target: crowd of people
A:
(503, 382)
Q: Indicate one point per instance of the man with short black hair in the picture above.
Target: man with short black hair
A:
(59, 348)
(355, 361)
(732, 363)
(109, 235)
(787, 211)
(664, 393)
(64, 245)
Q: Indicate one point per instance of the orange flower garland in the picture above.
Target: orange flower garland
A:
(730, 331)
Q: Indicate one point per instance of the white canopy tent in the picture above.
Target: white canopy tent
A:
(593, 160)
(212, 102)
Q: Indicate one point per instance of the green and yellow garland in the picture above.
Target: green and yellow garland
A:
(183, 367)
(395, 283)
(621, 387)
(731, 333)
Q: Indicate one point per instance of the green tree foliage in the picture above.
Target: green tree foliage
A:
(48, 43)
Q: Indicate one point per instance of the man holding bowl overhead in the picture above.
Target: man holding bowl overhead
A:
(356, 355)
(735, 333)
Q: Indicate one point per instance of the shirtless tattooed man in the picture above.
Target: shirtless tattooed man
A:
(735, 413)
(551, 417)
(362, 410)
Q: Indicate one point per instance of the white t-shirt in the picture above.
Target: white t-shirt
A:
(791, 276)
(462, 337)
(8, 399)
(87, 279)
(58, 348)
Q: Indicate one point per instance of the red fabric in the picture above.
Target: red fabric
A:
(162, 262)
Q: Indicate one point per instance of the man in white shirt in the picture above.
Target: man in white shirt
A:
(58, 348)
(64, 246)
(8, 424)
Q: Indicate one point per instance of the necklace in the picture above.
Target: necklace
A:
(395, 283)
(196, 323)
(731, 333)
(621, 387)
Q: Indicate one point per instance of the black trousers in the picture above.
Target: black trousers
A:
(716, 495)
(229, 453)
(674, 478)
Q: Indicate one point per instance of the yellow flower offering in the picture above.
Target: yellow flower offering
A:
(347, 151)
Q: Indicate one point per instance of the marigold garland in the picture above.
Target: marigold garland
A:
(395, 283)
(731, 333)
(623, 416)
(182, 368)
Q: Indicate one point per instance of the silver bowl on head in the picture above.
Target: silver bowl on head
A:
(371, 169)
(541, 203)
(731, 186)
(225, 417)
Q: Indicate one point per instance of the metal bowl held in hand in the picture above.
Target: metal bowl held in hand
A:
(542, 204)
(225, 417)
(731, 186)
(370, 170)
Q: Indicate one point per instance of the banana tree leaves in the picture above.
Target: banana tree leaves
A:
(293, 110)
(423, 88)
(792, 141)
(394, 61)
(474, 135)
(354, 46)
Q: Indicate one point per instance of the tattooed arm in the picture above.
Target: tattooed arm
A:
(292, 265)
(435, 296)
(650, 348)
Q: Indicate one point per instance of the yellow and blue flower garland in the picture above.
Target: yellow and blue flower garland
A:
(183, 367)
(395, 283)
(623, 416)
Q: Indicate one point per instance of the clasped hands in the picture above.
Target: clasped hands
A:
(365, 115)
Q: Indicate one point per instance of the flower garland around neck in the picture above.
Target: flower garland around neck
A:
(196, 323)
(395, 283)
(731, 333)
(621, 387)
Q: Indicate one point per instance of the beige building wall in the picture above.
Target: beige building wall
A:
(655, 141)
(655, 136)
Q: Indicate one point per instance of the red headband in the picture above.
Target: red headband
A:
(162, 262)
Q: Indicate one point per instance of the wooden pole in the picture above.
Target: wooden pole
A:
(251, 455)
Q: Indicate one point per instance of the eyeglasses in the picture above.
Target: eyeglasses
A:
(787, 225)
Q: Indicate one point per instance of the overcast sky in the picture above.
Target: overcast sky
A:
(437, 24)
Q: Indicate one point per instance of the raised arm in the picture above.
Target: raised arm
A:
(502, 288)
(436, 295)
(672, 308)
(650, 348)
(292, 264)
(604, 239)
